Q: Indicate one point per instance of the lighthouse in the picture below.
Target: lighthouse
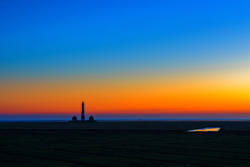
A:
(83, 113)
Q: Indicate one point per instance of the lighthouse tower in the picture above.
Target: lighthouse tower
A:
(83, 113)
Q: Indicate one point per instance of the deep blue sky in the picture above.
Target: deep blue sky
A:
(65, 38)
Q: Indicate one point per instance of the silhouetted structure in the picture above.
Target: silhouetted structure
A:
(74, 118)
(91, 118)
(83, 113)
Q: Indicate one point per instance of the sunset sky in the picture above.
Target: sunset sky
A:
(187, 58)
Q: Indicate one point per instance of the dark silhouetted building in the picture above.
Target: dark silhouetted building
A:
(91, 118)
(83, 113)
(74, 118)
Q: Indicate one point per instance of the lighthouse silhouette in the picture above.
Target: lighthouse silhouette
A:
(83, 113)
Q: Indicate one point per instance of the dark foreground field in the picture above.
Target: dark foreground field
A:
(123, 144)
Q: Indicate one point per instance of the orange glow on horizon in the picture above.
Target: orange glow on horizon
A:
(194, 94)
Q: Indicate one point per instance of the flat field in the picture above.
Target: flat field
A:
(130, 144)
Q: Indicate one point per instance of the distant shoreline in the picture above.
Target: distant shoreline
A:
(131, 120)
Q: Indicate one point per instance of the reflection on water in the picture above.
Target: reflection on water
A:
(212, 129)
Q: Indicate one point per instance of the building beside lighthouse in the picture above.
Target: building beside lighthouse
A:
(83, 112)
